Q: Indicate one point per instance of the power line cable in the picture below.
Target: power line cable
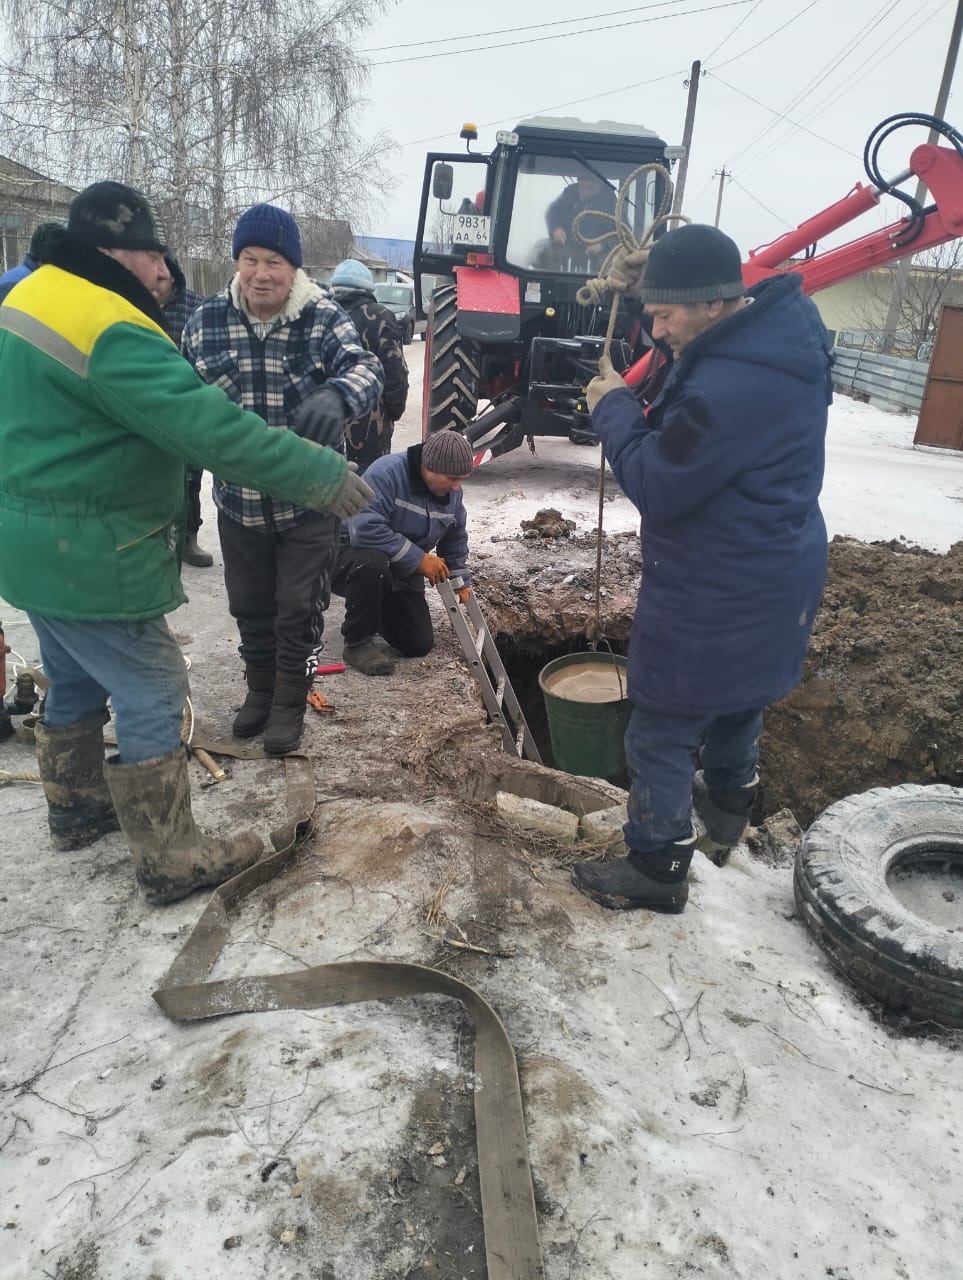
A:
(759, 43)
(876, 58)
(772, 214)
(564, 35)
(795, 123)
(742, 21)
(486, 35)
(797, 97)
(558, 106)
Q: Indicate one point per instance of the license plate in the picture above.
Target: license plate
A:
(473, 229)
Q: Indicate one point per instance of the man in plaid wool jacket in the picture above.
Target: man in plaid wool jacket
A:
(277, 344)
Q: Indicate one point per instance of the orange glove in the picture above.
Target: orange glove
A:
(464, 595)
(434, 568)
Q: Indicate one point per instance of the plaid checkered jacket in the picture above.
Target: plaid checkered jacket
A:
(311, 343)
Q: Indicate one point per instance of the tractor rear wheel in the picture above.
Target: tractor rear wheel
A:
(450, 396)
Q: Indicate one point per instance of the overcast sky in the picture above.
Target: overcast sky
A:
(790, 90)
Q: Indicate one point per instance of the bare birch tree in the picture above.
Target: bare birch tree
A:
(936, 277)
(210, 105)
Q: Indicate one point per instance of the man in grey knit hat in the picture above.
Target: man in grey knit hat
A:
(413, 532)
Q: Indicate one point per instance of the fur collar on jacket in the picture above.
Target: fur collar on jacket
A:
(69, 254)
(303, 293)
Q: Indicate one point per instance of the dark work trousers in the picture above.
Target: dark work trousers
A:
(377, 603)
(278, 585)
(663, 750)
(192, 485)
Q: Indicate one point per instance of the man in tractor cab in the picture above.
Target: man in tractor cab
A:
(414, 532)
(725, 469)
(588, 193)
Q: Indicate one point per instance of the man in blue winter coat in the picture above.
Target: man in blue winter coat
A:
(725, 469)
(413, 531)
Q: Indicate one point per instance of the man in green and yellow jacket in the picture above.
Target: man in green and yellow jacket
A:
(99, 415)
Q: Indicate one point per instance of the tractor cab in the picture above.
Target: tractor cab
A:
(504, 243)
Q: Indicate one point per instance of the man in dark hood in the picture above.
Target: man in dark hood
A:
(178, 304)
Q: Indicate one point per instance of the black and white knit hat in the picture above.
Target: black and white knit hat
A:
(447, 454)
(110, 215)
(693, 263)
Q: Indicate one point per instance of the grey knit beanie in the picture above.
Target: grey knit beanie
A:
(447, 454)
(352, 274)
(693, 263)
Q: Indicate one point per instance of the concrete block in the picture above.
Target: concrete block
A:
(604, 827)
(558, 824)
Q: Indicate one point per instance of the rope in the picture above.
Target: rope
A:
(620, 275)
(8, 776)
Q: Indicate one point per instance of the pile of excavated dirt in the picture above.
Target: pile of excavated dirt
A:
(880, 699)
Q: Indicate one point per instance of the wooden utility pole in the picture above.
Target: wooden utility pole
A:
(904, 266)
(693, 82)
(722, 173)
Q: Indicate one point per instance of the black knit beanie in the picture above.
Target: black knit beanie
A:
(693, 263)
(110, 215)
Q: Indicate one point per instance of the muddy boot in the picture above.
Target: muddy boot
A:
(366, 657)
(195, 555)
(172, 857)
(71, 764)
(725, 813)
(253, 715)
(654, 881)
(286, 722)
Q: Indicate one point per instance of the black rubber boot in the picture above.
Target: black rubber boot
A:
(70, 760)
(172, 857)
(725, 813)
(256, 708)
(366, 657)
(286, 722)
(656, 881)
(195, 555)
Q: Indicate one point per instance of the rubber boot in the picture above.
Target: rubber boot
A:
(656, 881)
(172, 857)
(254, 712)
(70, 759)
(366, 657)
(286, 722)
(725, 813)
(194, 554)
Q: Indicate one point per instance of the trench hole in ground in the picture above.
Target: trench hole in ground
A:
(524, 658)
(525, 655)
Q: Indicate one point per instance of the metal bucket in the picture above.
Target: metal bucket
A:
(588, 709)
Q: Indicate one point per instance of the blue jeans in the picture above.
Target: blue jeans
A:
(661, 750)
(138, 665)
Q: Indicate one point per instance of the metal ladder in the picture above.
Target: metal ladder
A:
(486, 666)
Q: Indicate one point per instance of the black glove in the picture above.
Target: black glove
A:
(321, 418)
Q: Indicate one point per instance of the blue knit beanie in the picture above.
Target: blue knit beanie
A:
(352, 274)
(265, 226)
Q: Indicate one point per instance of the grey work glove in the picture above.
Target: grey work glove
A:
(353, 496)
(321, 418)
(606, 381)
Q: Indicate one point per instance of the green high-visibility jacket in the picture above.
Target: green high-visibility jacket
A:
(99, 412)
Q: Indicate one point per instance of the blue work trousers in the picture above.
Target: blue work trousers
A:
(138, 665)
(663, 750)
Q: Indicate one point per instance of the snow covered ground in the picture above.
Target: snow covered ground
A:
(704, 1094)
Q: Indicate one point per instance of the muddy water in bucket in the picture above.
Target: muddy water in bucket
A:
(586, 702)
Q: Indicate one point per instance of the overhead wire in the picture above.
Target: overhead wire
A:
(834, 62)
(883, 51)
(564, 35)
(536, 26)
(742, 21)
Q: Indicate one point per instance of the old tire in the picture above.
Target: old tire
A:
(451, 368)
(843, 893)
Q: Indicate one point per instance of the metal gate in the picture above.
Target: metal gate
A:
(941, 413)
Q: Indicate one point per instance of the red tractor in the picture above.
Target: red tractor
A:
(504, 324)
(495, 232)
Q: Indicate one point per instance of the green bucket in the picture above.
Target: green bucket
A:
(586, 701)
